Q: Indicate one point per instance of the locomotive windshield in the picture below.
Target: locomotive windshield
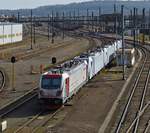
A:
(51, 82)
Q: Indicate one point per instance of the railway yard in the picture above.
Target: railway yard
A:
(63, 76)
(19, 122)
(97, 96)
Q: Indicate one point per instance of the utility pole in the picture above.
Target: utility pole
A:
(31, 30)
(87, 18)
(52, 27)
(115, 25)
(18, 17)
(149, 24)
(114, 18)
(92, 21)
(136, 23)
(57, 23)
(48, 30)
(123, 47)
(34, 32)
(63, 25)
(70, 17)
(78, 16)
(143, 16)
(74, 15)
(134, 36)
(131, 19)
(99, 17)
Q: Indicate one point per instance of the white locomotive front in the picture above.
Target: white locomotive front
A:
(57, 85)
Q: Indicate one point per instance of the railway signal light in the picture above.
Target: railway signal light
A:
(13, 60)
(54, 60)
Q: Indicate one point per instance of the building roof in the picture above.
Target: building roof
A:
(9, 23)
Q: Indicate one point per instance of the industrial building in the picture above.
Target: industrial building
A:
(10, 33)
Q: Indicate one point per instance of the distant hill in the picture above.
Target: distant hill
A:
(106, 7)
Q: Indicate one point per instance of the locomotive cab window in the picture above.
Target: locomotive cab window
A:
(51, 83)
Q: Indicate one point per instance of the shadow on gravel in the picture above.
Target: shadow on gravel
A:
(103, 80)
(29, 110)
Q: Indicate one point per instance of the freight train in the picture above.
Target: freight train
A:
(59, 84)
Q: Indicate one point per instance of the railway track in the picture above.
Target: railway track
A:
(15, 105)
(137, 99)
(36, 124)
(12, 106)
(2, 80)
(135, 115)
(138, 104)
(32, 53)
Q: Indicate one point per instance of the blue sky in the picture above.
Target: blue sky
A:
(15, 4)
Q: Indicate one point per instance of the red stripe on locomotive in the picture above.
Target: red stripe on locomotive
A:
(67, 86)
(53, 76)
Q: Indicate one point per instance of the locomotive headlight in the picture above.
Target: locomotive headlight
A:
(59, 93)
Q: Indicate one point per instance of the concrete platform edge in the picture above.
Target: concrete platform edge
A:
(108, 118)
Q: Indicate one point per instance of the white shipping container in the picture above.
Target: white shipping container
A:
(111, 53)
(77, 77)
(97, 62)
(89, 61)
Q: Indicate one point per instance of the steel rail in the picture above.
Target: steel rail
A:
(34, 53)
(18, 103)
(147, 127)
(47, 120)
(142, 100)
(138, 116)
(117, 130)
(140, 111)
(3, 80)
(28, 122)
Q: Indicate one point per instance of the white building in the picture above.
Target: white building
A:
(10, 33)
(129, 58)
